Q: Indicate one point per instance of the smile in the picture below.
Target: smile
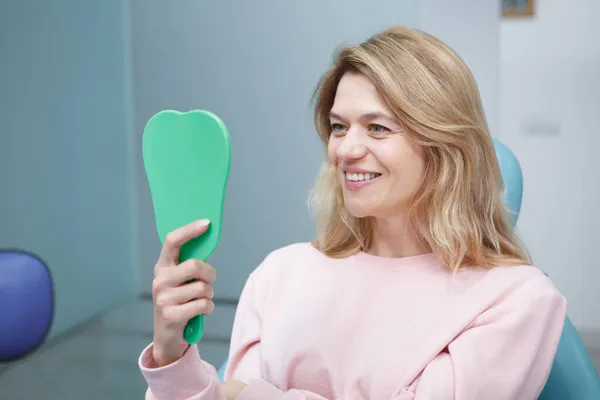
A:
(355, 181)
(357, 177)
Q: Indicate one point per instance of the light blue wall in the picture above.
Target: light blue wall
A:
(65, 154)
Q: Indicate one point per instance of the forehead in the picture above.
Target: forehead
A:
(356, 93)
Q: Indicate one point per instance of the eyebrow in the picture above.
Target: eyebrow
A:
(367, 116)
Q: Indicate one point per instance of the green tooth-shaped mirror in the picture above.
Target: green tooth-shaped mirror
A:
(187, 158)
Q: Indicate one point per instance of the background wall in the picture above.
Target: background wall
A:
(549, 116)
(256, 65)
(65, 154)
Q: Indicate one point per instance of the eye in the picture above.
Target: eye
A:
(337, 129)
(378, 129)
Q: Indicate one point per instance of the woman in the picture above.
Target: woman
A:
(415, 287)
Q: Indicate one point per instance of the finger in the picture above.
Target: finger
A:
(177, 238)
(185, 312)
(185, 293)
(188, 270)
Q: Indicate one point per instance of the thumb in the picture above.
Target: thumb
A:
(177, 238)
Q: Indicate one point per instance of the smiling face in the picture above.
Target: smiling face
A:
(378, 167)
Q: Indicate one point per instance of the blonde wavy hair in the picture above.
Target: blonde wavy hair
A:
(459, 210)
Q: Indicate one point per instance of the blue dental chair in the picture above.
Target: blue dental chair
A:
(573, 375)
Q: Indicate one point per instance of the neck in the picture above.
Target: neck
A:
(394, 238)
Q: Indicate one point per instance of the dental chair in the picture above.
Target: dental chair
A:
(573, 375)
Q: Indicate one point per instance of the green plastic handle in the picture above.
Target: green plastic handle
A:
(187, 158)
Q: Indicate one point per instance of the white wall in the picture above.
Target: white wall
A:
(65, 153)
(550, 117)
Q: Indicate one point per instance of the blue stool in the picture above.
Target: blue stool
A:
(26, 304)
(573, 375)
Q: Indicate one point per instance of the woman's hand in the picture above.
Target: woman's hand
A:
(176, 299)
(232, 389)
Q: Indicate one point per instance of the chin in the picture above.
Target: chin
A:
(358, 210)
(365, 208)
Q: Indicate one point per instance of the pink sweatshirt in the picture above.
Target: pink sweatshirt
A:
(366, 327)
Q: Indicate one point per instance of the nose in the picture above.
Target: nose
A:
(351, 147)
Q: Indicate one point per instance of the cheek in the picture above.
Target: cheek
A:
(406, 163)
(416, 166)
(420, 162)
(332, 152)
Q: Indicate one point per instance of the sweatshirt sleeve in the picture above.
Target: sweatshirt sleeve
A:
(189, 378)
(506, 354)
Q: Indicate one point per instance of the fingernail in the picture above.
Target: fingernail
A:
(203, 222)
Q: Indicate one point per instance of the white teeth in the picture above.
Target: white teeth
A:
(351, 176)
